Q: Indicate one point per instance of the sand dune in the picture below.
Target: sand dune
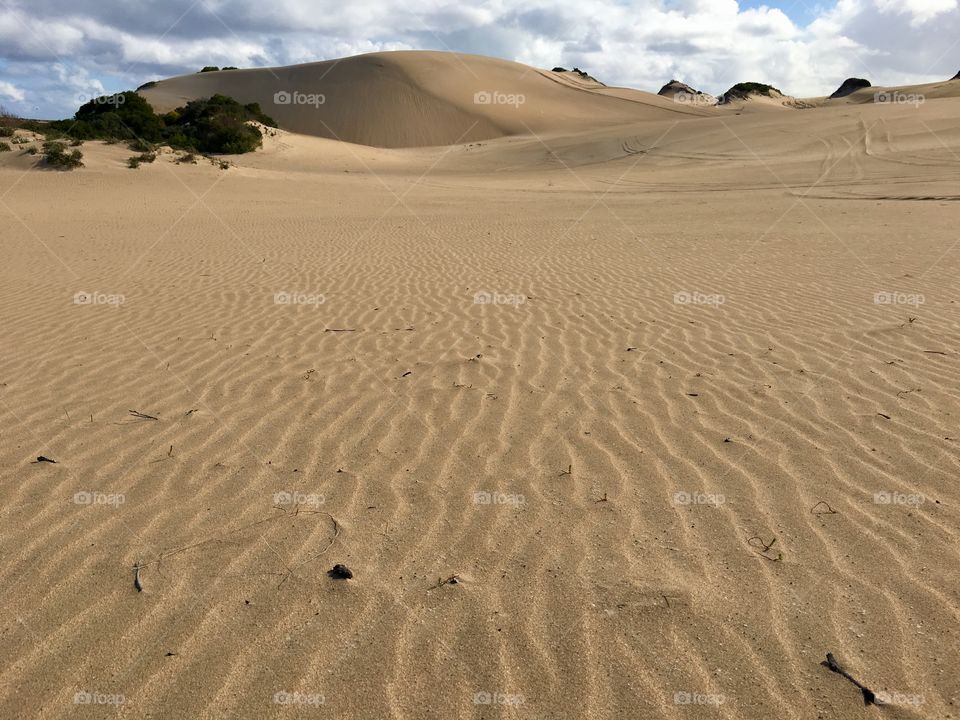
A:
(408, 99)
(672, 399)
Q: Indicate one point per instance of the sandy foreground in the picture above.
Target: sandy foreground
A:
(674, 402)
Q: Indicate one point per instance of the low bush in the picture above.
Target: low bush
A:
(56, 155)
(140, 146)
(5, 147)
(137, 160)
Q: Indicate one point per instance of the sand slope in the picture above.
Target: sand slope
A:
(408, 99)
(685, 360)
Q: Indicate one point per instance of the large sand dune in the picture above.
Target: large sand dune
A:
(407, 99)
(703, 432)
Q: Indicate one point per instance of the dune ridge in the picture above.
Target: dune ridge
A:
(411, 99)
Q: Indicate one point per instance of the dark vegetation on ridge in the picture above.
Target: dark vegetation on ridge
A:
(741, 91)
(850, 86)
(213, 125)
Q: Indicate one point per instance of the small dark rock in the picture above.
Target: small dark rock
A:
(340, 572)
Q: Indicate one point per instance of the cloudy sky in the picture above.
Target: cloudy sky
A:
(55, 53)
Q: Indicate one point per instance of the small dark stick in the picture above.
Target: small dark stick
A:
(869, 697)
(822, 508)
(142, 416)
(137, 583)
(42, 459)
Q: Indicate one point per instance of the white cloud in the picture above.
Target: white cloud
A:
(920, 10)
(11, 91)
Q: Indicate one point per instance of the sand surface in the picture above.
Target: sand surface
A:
(707, 332)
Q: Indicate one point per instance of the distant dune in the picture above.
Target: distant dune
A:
(411, 99)
(682, 93)
(849, 86)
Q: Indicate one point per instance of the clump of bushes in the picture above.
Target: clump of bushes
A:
(5, 147)
(216, 125)
(213, 125)
(6, 131)
(139, 145)
(137, 160)
(56, 155)
(210, 68)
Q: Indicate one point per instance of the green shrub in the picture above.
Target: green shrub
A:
(139, 145)
(136, 160)
(6, 131)
(31, 151)
(55, 154)
(210, 68)
(5, 147)
(187, 158)
(147, 85)
(218, 124)
(124, 115)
